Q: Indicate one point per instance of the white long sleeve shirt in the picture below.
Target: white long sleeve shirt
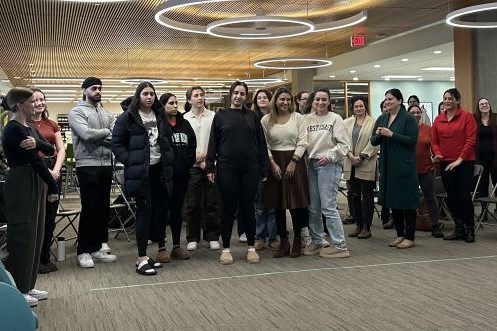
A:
(286, 137)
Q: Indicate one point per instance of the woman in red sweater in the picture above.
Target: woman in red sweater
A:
(426, 176)
(453, 139)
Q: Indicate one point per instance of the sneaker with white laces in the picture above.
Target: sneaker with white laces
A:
(192, 246)
(333, 251)
(38, 294)
(32, 301)
(85, 260)
(99, 256)
(105, 248)
(242, 238)
(214, 245)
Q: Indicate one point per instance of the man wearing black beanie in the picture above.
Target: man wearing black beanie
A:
(91, 127)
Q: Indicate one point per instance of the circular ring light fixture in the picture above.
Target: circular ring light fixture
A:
(219, 29)
(136, 80)
(298, 63)
(453, 18)
(251, 81)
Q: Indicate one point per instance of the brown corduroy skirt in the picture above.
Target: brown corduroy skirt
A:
(287, 193)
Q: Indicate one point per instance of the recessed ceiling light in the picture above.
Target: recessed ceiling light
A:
(355, 78)
(438, 69)
(377, 66)
(452, 78)
(405, 60)
(420, 78)
(17, 77)
(387, 78)
(332, 76)
(437, 52)
(353, 71)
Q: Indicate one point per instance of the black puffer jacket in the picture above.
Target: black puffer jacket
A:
(131, 146)
(185, 145)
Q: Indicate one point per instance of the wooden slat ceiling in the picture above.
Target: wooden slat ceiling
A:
(121, 39)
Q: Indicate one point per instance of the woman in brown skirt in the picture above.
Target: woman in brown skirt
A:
(286, 187)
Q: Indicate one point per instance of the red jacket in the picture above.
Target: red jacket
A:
(455, 138)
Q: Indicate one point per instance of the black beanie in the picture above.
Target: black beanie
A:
(90, 81)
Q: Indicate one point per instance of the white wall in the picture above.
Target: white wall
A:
(426, 91)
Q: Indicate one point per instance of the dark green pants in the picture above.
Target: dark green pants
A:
(202, 208)
(25, 196)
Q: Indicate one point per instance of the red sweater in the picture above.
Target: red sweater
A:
(455, 138)
(423, 150)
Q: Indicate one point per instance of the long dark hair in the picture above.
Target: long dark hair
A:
(273, 109)
(45, 113)
(135, 103)
(491, 117)
(255, 106)
(297, 99)
(232, 89)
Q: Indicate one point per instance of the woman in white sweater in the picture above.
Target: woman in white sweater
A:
(286, 186)
(329, 142)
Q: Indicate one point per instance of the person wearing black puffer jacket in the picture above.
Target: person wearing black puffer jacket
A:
(184, 145)
(141, 141)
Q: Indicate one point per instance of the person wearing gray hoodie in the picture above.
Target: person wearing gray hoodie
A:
(91, 127)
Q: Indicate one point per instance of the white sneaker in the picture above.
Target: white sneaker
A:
(214, 245)
(325, 243)
(105, 248)
(243, 238)
(38, 294)
(192, 246)
(32, 302)
(149, 242)
(85, 260)
(100, 256)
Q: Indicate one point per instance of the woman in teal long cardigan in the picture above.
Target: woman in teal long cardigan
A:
(396, 131)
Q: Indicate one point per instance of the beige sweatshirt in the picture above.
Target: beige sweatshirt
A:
(327, 135)
(286, 137)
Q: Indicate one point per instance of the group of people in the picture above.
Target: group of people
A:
(249, 162)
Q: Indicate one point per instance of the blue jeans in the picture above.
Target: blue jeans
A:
(323, 190)
(264, 219)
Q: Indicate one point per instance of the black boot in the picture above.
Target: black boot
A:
(470, 235)
(459, 233)
(436, 230)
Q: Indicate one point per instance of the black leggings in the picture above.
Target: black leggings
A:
(151, 212)
(238, 189)
(405, 222)
(300, 216)
(179, 191)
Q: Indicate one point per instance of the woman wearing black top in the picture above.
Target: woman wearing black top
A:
(184, 146)
(141, 141)
(486, 144)
(26, 184)
(238, 146)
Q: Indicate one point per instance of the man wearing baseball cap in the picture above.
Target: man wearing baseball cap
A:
(91, 127)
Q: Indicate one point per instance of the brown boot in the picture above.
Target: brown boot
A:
(364, 234)
(296, 247)
(284, 248)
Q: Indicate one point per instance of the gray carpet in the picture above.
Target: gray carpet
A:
(437, 285)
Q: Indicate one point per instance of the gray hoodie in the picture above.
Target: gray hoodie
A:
(91, 129)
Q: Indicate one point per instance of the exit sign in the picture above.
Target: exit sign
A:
(357, 40)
